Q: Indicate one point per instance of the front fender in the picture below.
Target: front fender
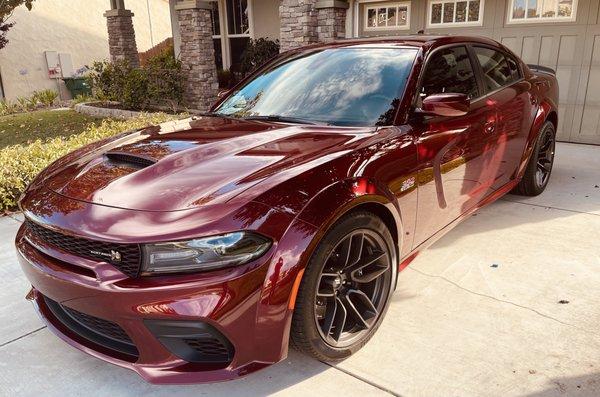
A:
(295, 248)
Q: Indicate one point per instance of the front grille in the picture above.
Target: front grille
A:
(104, 327)
(101, 332)
(129, 254)
(210, 348)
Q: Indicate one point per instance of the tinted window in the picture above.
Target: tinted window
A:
(449, 70)
(514, 68)
(496, 69)
(341, 86)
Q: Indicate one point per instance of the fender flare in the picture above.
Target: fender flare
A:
(543, 113)
(284, 276)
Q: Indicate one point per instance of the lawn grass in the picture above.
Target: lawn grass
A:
(23, 128)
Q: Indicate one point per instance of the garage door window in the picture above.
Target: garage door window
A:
(532, 11)
(388, 16)
(445, 13)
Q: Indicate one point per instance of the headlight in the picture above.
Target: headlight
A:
(204, 253)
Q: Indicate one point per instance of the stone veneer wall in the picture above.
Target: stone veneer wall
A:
(331, 24)
(197, 54)
(298, 23)
(305, 22)
(121, 37)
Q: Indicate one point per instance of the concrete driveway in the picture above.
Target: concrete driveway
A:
(507, 304)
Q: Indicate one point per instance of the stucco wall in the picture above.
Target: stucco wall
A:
(77, 27)
(266, 19)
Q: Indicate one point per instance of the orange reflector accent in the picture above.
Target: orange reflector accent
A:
(30, 295)
(295, 288)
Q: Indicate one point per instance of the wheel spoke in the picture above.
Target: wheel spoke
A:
(331, 309)
(366, 269)
(327, 285)
(360, 307)
(543, 167)
(355, 251)
(339, 320)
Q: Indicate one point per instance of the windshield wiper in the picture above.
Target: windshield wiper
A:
(282, 119)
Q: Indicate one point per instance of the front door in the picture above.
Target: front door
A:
(454, 177)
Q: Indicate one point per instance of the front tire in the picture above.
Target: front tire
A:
(346, 288)
(539, 169)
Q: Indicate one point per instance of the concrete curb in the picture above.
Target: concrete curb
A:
(97, 111)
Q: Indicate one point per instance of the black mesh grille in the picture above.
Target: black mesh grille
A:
(93, 329)
(209, 347)
(129, 254)
(129, 158)
(105, 328)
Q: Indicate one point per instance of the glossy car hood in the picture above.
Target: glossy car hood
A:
(193, 162)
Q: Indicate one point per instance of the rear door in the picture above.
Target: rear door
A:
(510, 95)
(451, 149)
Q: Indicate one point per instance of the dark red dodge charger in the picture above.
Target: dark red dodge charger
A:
(196, 250)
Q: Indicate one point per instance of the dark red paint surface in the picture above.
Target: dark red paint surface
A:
(288, 182)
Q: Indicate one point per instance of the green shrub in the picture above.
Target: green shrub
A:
(257, 53)
(226, 79)
(19, 164)
(7, 107)
(159, 83)
(82, 99)
(45, 97)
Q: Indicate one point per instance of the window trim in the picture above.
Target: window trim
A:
(382, 4)
(474, 64)
(506, 54)
(443, 24)
(540, 20)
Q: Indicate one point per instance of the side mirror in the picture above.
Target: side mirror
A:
(449, 105)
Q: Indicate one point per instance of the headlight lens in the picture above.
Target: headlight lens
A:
(204, 253)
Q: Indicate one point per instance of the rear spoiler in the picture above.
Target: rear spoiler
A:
(542, 69)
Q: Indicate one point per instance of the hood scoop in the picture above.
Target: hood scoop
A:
(135, 160)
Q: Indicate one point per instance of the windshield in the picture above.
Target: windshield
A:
(340, 86)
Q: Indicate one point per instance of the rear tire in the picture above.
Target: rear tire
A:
(539, 169)
(346, 288)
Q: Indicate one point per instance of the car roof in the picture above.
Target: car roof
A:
(416, 40)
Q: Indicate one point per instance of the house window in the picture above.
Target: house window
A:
(216, 24)
(443, 13)
(531, 11)
(392, 16)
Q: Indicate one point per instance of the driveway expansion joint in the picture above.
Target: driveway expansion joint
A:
(500, 300)
(22, 336)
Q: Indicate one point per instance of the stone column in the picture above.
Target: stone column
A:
(305, 22)
(197, 53)
(331, 18)
(121, 36)
(298, 23)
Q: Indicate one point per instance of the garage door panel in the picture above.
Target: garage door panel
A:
(590, 120)
(530, 49)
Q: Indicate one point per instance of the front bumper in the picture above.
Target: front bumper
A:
(227, 302)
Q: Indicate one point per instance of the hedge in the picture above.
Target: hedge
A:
(19, 164)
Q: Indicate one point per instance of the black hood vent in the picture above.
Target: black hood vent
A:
(135, 160)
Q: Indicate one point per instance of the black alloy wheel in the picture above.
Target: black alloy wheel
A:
(545, 158)
(539, 169)
(353, 287)
(346, 288)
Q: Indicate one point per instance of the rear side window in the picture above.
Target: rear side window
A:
(498, 70)
(449, 70)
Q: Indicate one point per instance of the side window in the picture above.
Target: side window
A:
(449, 70)
(514, 67)
(497, 71)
